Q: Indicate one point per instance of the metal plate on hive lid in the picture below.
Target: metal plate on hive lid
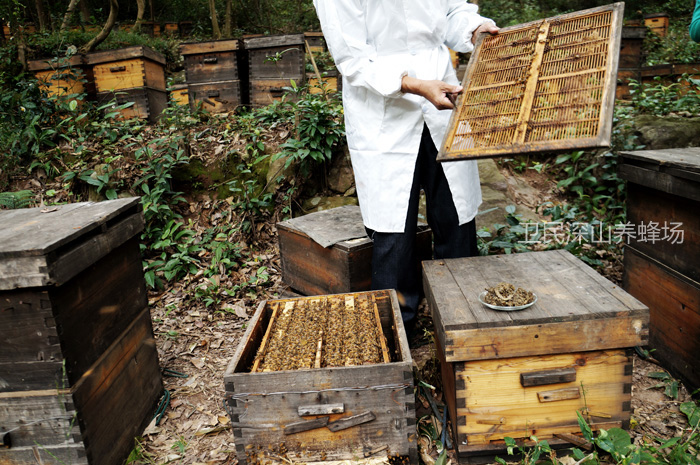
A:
(544, 86)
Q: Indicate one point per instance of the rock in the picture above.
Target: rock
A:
(317, 204)
(341, 177)
(656, 132)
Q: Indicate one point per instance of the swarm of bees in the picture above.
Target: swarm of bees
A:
(322, 332)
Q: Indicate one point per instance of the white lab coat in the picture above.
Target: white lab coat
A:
(374, 44)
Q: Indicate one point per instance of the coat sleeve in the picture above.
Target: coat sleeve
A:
(695, 23)
(345, 31)
(462, 21)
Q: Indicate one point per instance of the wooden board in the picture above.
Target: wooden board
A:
(212, 46)
(265, 92)
(212, 67)
(262, 404)
(667, 228)
(674, 304)
(129, 74)
(543, 86)
(148, 104)
(179, 95)
(51, 245)
(128, 53)
(577, 309)
(216, 97)
(631, 50)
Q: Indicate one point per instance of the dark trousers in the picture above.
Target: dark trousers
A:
(394, 258)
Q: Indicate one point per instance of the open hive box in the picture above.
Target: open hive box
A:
(542, 86)
(323, 378)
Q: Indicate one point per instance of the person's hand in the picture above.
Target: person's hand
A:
(439, 93)
(489, 27)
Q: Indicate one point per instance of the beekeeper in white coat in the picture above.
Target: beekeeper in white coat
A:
(397, 80)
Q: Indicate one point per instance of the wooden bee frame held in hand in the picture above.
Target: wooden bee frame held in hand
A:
(544, 86)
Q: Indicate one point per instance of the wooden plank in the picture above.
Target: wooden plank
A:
(674, 304)
(27, 328)
(267, 91)
(559, 395)
(685, 159)
(43, 64)
(96, 58)
(216, 97)
(353, 420)
(531, 84)
(266, 338)
(273, 41)
(38, 231)
(548, 338)
(661, 181)
(213, 46)
(116, 398)
(652, 208)
(73, 454)
(305, 425)
(47, 419)
(322, 409)
(380, 331)
(29, 376)
(543, 377)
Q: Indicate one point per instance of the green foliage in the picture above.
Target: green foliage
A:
(669, 384)
(19, 199)
(662, 98)
(675, 47)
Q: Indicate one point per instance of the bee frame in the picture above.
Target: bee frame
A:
(543, 86)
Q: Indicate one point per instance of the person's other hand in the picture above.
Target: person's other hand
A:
(439, 93)
(489, 27)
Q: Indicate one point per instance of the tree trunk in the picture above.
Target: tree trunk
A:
(111, 20)
(42, 16)
(84, 11)
(141, 9)
(68, 15)
(214, 21)
(228, 18)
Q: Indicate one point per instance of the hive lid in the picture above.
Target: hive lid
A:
(576, 310)
(49, 245)
(54, 63)
(547, 85)
(273, 41)
(329, 227)
(108, 56)
(213, 46)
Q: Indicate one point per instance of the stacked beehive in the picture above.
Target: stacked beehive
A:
(663, 251)
(273, 62)
(528, 372)
(79, 373)
(131, 75)
(631, 53)
(213, 74)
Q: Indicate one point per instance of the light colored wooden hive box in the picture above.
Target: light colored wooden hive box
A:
(132, 74)
(64, 76)
(523, 373)
(661, 266)
(375, 401)
(79, 372)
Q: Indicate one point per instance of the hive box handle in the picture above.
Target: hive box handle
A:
(116, 69)
(542, 377)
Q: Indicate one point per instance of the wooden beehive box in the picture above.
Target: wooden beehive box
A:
(79, 373)
(662, 252)
(331, 81)
(316, 42)
(566, 353)
(328, 252)
(273, 61)
(64, 76)
(317, 414)
(132, 74)
(179, 94)
(542, 86)
(658, 23)
(213, 72)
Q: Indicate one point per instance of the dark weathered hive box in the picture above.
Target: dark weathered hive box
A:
(329, 267)
(216, 73)
(79, 374)
(527, 372)
(662, 255)
(132, 74)
(272, 62)
(262, 405)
